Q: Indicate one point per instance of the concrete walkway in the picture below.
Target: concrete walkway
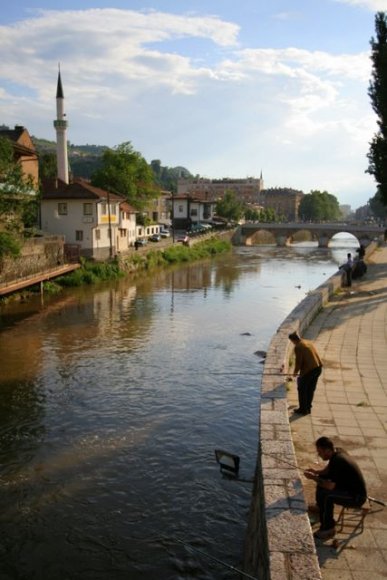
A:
(350, 406)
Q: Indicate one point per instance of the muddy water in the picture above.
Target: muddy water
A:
(113, 399)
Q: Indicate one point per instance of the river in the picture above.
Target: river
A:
(113, 400)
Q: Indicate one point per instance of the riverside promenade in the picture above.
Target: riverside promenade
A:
(350, 406)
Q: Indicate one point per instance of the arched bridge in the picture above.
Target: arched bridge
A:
(248, 233)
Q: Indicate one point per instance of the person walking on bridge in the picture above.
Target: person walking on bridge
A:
(308, 366)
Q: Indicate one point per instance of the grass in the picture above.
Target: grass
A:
(93, 272)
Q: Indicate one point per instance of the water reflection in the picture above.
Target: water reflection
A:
(113, 399)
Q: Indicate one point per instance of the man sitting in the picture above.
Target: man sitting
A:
(340, 482)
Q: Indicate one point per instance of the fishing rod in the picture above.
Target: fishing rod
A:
(252, 374)
(233, 568)
(374, 500)
(369, 498)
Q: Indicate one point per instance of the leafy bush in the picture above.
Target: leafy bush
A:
(9, 245)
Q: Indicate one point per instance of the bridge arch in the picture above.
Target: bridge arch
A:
(247, 234)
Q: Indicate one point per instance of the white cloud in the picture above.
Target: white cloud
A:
(129, 76)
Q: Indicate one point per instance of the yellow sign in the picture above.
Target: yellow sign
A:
(105, 219)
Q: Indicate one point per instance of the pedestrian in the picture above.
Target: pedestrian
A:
(308, 365)
(340, 482)
(347, 267)
(361, 251)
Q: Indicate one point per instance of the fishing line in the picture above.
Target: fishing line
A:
(369, 498)
(233, 568)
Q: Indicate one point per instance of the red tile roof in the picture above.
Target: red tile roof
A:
(78, 189)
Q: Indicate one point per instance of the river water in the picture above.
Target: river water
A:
(113, 400)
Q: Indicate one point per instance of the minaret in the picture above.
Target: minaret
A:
(60, 125)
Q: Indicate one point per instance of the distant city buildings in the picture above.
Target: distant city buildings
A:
(284, 201)
(247, 190)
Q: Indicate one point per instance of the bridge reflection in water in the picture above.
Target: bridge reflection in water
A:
(284, 234)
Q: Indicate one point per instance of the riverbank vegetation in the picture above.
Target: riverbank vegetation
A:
(93, 272)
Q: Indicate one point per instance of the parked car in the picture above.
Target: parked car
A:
(183, 240)
(165, 234)
(155, 238)
(197, 229)
(141, 242)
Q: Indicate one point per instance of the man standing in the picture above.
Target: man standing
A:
(340, 482)
(309, 365)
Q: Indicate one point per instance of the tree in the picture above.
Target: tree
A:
(47, 166)
(265, 215)
(9, 246)
(377, 207)
(319, 206)
(230, 207)
(167, 177)
(18, 202)
(125, 172)
(377, 92)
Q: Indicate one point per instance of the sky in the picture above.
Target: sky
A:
(221, 87)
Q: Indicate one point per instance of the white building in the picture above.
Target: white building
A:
(100, 223)
(188, 210)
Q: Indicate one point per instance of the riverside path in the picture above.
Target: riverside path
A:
(350, 406)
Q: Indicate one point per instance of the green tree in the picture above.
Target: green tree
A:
(269, 215)
(319, 206)
(378, 208)
(167, 177)
(377, 155)
(252, 214)
(125, 172)
(47, 166)
(18, 202)
(9, 246)
(230, 207)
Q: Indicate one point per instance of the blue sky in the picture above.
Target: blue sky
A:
(223, 88)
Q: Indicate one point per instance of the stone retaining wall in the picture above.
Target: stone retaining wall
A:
(279, 543)
(37, 255)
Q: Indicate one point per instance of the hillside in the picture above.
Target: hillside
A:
(84, 160)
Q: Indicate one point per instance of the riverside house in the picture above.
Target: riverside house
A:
(189, 210)
(100, 223)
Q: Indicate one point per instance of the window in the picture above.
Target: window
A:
(194, 211)
(87, 209)
(97, 234)
(79, 235)
(62, 208)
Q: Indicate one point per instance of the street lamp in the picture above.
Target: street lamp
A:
(106, 201)
(109, 226)
(172, 216)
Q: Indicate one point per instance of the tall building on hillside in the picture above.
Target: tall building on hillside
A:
(247, 190)
(60, 125)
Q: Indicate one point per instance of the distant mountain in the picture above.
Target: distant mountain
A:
(84, 160)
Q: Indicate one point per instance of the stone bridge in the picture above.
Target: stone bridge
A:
(283, 234)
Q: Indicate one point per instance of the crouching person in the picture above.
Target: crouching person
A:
(340, 482)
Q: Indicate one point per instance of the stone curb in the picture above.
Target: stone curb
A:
(279, 542)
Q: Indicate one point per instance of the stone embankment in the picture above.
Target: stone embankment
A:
(279, 541)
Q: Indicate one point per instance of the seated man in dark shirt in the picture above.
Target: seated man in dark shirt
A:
(340, 482)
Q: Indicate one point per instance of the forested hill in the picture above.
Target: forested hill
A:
(84, 160)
